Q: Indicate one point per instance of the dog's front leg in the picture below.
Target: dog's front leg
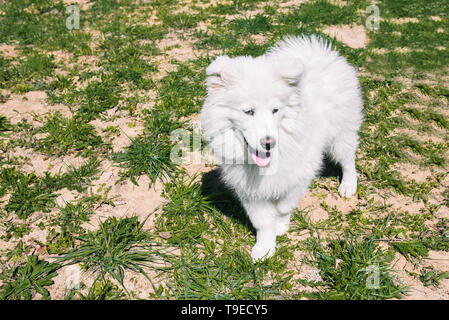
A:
(286, 205)
(263, 217)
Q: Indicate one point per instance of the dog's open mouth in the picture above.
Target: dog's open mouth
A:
(261, 158)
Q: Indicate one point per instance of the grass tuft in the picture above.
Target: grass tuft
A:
(355, 269)
(118, 245)
(28, 279)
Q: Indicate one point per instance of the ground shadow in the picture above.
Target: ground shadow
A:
(330, 169)
(223, 199)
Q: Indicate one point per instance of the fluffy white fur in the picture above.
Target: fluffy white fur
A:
(305, 97)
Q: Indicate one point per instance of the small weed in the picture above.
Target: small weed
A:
(5, 125)
(68, 220)
(118, 245)
(25, 280)
(29, 194)
(28, 73)
(76, 178)
(347, 268)
(41, 24)
(431, 277)
(185, 216)
(411, 249)
(98, 96)
(183, 90)
(147, 154)
(99, 290)
(14, 230)
(66, 135)
(181, 20)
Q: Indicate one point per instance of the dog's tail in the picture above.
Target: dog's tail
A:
(304, 45)
(303, 48)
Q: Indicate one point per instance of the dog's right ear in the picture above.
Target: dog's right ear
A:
(218, 73)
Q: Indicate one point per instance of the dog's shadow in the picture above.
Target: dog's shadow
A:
(330, 169)
(225, 201)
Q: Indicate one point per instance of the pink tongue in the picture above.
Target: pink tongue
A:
(261, 162)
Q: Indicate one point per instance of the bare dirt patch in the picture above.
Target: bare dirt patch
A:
(22, 106)
(8, 51)
(353, 36)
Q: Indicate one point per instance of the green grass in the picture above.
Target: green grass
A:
(181, 92)
(187, 215)
(99, 290)
(318, 13)
(148, 155)
(114, 67)
(420, 8)
(28, 73)
(177, 21)
(42, 24)
(28, 279)
(76, 178)
(67, 226)
(356, 270)
(67, 135)
(411, 249)
(5, 128)
(227, 273)
(426, 39)
(429, 276)
(117, 245)
(28, 193)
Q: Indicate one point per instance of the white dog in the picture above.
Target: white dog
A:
(269, 121)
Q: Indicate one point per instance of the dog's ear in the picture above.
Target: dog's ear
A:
(218, 73)
(290, 71)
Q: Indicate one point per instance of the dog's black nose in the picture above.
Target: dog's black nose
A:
(268, 143)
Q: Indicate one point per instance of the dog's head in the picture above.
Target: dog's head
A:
(249, 101)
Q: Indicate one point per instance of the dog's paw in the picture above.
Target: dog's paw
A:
(347, 187)
(260, 253)
(281, 228)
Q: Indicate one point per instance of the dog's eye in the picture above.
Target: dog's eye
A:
(275, 110)
(249, 112)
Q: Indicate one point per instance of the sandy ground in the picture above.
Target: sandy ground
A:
(139, 200)
(352, 36)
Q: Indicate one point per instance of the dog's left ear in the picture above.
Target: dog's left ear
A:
(290, 71)
(218, 75)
